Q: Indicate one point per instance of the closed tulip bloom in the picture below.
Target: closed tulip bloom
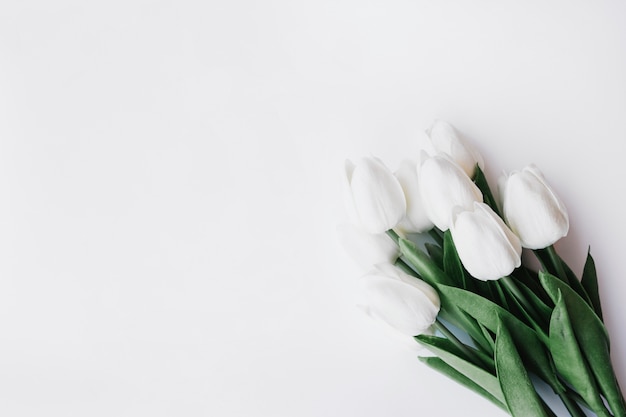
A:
(374, 197)
(487, 248)
(532, 209)
(415, 220)
(367, 249)
(443, 186)
(445, 139)
(403, 302)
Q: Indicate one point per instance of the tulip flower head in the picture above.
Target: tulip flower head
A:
(532, 209)
(403, 302)
(445, 139)
(374, 197)
(367, 249)
(415, 220)
(487, 248)
(443, 186)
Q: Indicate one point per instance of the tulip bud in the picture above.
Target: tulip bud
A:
(532, 209)
(415, 220)
(444, 185)
(403, 302)
(487, 248)
(374, 197)
(445, 139)
(367, 249)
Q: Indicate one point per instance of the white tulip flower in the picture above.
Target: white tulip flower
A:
(445, 139)
(415, 220)
(374, 197)
(488, 249)
(403, 302)
(444, 185)
(367, 249)
(532, 209)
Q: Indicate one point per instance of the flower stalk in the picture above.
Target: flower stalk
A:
(556, 263)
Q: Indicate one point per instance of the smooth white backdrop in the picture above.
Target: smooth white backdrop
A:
(169, 189)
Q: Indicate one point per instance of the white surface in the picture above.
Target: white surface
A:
(169, 189)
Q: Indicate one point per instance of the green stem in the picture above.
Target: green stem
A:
(403, 265)
(393, 235)
(556, 262)
(477, 360)
(481, 182)
(513, 288)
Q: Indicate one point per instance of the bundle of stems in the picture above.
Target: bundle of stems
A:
(546, 324)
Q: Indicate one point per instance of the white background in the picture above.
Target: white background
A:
(169, 189)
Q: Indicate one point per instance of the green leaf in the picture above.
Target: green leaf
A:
(472, 355)
(489, 337)
(487, 313)
(483, 378)
(525, 304)
(563, 272)
(544, 260)
(481, 182)
(428, 270)
(501, 297)
(439, 365)
(530, 279)
(523, 314)
(451, 262)
(574, 283)
(589, 282)
(583, 317)
(536, 301)
(442, 343)
(568, 357)
(592, 338)
(462, 320)
(519, 392)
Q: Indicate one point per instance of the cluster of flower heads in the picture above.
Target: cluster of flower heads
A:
(439, 193)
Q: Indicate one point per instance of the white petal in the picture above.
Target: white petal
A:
(444, 185)
(367, 249)
(485, 248)
(398, 304)
(446, 139)
(378, 196)
(388, 270)
(415, 220)
(533, 211)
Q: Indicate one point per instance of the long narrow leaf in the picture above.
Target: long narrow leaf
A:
(589, 281)
(481, 182)
(487, 313)
(568, 358)
(428, 270)
(483, 378)
(519, 392)
(592, 338)
(470, 354)
(574, 283)
(439, 365)
(451, 262)
(541, 307)
(454, 315)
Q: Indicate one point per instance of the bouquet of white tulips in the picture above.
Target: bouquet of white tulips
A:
(447, 271)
